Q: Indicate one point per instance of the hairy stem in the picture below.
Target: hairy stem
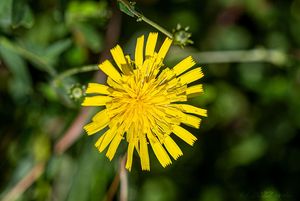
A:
(141, 17)
(74, 71)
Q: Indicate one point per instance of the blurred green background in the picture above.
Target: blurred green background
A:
(247, 148)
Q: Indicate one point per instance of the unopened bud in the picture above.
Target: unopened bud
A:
(181, 36)
(77, 92)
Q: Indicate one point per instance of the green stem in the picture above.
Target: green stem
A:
(74, 71)
(141, 17)
(161, 29)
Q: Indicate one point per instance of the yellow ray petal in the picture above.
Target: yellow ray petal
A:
(129, 155)
(184, 134)
(194, 90)
(129, 63)
(96, 126)
(160, 153)
(96, 100)
(110, 70)
(108, 137)
(144, 155)
(191, 76)
(139, 51)
(190, 120)
(100, 121)
(118, 55)
(97, 89)
(113, 146)
(172, 111)
(99, 141)
(172, 148)
(191, 109)
(164, 48)
(114, 85)
(101, 115)
(184, 65)
(151, 42)
(181, 98)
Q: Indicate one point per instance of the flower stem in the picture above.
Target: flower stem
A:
(140, 17)
(74, 71)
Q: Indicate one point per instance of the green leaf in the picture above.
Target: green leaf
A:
(53, 51)
(28, 19)
(5, 12)
(124, 8)
(37, 59)
(87, 10)
(21, 14)
(58, 47)
(20, 85)
(17, 14)
(77, 55)
(92, 39)
(87, 183)
(247, 151)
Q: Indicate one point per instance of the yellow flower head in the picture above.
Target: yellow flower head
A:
(142, 103)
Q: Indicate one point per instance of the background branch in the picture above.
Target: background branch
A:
(275, 57)
(123, 179)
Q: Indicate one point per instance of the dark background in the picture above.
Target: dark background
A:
(248, 146)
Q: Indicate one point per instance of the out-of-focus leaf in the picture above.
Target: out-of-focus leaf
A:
(295, 30)
(251, 75)
(58, 47)
(19, 9)
(88, 36)
(20, 86)
(264, 14)
(86, 10)
(158, 189)
(77, 55)
(28, 19)
(229, 38)
(42, 191)
(277, 40)
(21, 169)
(276, 88)
(38, 59)
(92, 176)
(21, 14)
(211, 193)
(271, 194)
(61, 169)
(54, 50)
(5, 12)
(41, 147)
(48, 92)
(45, 31)
(247, 151)
(230, 104)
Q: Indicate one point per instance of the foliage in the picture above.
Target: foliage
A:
(248, 146)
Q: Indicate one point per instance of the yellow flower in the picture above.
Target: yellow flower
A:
(142, 103)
